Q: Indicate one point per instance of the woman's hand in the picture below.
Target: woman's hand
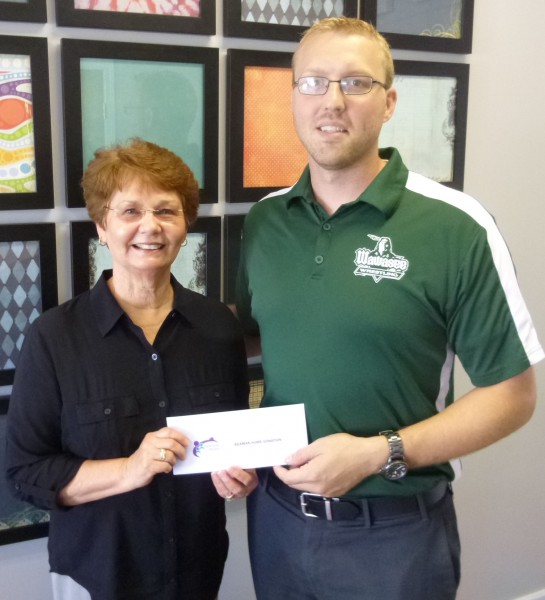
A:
(97, 479)
(157, 453)
(235, 482)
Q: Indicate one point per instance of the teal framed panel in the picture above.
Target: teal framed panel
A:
(113, 91)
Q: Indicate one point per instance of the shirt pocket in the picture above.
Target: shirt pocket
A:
(110, 428)
(212, 397)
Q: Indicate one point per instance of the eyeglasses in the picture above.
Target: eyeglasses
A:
(133, 215)
(350, 86)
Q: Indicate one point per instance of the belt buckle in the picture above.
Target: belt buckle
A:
(327, 503)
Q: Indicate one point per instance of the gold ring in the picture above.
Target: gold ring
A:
(162, 454)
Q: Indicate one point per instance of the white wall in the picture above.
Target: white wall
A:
(500, 496)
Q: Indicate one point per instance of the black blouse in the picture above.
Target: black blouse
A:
(89, 386)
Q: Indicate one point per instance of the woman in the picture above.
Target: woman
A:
(96, 380)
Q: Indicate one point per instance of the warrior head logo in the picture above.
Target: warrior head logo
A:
(380, 262)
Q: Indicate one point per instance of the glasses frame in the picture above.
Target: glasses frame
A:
(340, 82)
(142, 212)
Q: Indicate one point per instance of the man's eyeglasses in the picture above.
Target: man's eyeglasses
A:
(351, 86)
(131, 214)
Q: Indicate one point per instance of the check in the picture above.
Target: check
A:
(251, 438)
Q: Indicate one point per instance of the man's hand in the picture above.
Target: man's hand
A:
(333, 465)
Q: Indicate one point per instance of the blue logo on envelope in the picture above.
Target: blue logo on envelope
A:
(200, 448)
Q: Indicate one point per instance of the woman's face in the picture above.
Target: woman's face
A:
(143, 243)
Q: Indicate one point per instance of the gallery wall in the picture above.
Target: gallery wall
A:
(498, 498)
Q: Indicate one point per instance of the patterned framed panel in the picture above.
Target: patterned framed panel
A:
(430, 119)
(19, 521)
(263, 151)
(33, 11)
(271, 19)
(174, 16)
(162, 93)
(26, 180)
(28, 286)
(197, 267)
(430, 25)
(257, 385)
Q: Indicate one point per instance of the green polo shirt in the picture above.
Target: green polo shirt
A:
(362, 312)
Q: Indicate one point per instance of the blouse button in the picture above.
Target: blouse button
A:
(154, 357)
(319, 260)
(326, 226)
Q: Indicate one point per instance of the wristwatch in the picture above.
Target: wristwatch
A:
(396, 466)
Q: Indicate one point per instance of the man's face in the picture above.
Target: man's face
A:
(340, 131)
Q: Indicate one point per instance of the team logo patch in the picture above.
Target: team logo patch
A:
(380, 262)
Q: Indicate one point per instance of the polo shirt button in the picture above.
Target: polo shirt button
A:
(154, 357)
(326, 226)
(107, 411)
(162, 404)
(319, 260)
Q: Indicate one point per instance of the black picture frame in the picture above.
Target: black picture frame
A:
(35, 48)
(206, 230)
(275, 132)
(19, 521)
(438, 41)
(32, 11)
(235, 26)
(232, 242)
(204, 24)
(181, 58)
(18, 309)
(450, 124)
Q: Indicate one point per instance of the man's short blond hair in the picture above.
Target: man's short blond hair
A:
(352, 26)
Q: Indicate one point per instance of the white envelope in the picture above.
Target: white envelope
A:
(251, 438)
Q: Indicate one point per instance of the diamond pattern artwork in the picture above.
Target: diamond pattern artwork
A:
(20, 296)
(290, 12)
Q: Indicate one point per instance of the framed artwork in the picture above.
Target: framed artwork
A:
(19, 521)
(26, 180)
(263, 151)
(232, 239)
(165, 94)
(257, 384)
(429, 123)
(197, 266)
(270, 19)
(33, 11)
(174, 16)
(28, 274)
(430, 25)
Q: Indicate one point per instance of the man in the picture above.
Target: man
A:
(363, 281)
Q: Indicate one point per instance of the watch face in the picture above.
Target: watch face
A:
(396, 470)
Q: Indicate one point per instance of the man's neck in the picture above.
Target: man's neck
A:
(333, 188)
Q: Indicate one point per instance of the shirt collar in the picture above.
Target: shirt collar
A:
(384, 192)
(108, 312)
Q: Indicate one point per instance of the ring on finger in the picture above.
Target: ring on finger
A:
(229, 497)
(162, 454)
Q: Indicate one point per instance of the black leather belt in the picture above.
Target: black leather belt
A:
(369, 509)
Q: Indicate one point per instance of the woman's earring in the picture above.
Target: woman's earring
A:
(101, 242)
(184, 243)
